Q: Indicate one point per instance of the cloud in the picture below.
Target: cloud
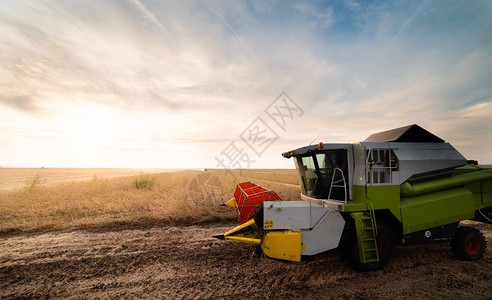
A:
(353, 4)
(83, 62)
(147, 14)
(202, 71)
(20, 102)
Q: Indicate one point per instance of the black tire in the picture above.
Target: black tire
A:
(484, 215)
(259, 218)
(468, 243)
(385, 243)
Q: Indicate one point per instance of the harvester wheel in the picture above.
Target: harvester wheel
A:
(468, 243)
(385, 244)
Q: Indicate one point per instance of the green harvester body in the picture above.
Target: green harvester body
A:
(403, 186)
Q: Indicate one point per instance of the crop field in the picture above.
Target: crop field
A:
(148, 235)
(16, 178)
(183, 197)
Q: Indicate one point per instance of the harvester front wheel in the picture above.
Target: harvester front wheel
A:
(468, 243)
(385, 244)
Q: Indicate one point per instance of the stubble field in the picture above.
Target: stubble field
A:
(17, 178)
(149, 236)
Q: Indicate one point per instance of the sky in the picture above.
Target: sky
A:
(233, 84)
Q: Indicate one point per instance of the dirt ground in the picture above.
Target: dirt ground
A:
(185, 262)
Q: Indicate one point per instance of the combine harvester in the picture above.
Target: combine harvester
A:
(403, 186)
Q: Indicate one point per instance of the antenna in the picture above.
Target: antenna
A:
(314, 139)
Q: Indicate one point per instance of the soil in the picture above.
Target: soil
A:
(185, 262)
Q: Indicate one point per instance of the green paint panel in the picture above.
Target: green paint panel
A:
(432, 208)
(487, 193)
(436, 209)
(411, 190)
(355, 206)
(482, 190)
(476, 189)
(471, 168)
(381, 197)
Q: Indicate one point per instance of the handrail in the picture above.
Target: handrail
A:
(370, 155)
(332, 185)
(373, 216)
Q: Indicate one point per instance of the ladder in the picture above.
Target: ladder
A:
(365, 225)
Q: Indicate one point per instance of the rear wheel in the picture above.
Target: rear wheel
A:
(385, 244)
(468, 243)
(484, 215)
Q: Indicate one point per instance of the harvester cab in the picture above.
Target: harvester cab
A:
(402, 186)
(324, 172)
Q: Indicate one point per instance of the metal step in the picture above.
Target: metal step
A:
(366, 236)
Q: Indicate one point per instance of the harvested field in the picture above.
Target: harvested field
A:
(185, 262)
(183, 197)
(149, 236)
(15, 178)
